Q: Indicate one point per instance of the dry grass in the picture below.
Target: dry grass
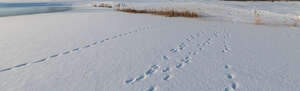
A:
(167, 12)
(257, 19)
(103, 5)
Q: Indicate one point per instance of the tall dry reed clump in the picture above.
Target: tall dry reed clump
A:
(103, 5)
(162, 12)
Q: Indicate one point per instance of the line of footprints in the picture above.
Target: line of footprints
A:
(182, 62)
(230, 76)
(76, 49)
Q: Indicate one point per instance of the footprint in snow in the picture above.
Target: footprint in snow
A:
(20, 65)
(167, 69)
(53, 56)
(228, 89)
(114, 37)
(155, 66)
(141, 77)
(173, 50)
(227, 66)
(149, 71)
(182, 46)
(95, 43)
(76, 49)
(87, 46)
(6, 69)
(179, 65)
(41, 60)
(185, 60)
(167, 77)
(200, 49)
(165, 57)
(234, 85)
(129, 81)
(230, 76)
(152, 70)
(152, 88)
(101, 41)
(226, 49)
(67, 52)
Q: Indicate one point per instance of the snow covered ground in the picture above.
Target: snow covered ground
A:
(99, 49)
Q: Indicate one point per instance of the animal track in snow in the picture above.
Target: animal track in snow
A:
(129, 80)
(114, 37)
(87, 46)
(141, 77)
(173, 50)
(230, 76)
(41, 60)
(53, 56)
(226, 49)
(185, 60)
(102, 41)
(182, 46)
(167, 77)
(73, 50)
(6, 69)
(76, 49)
(229, 89)
(225, 42)
(20, 65)
(179, 65)
(149, 72)
(152, 70)
(234, 85)
(95, 43)
(165, 57)
(167, 69)
(67, 52)
(227, 66)
(152, 88)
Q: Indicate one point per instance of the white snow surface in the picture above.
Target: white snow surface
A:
(99, 49)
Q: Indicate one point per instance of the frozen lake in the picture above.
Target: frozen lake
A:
(13, 9)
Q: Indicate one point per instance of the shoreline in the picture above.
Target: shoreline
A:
(16, 9)
(38, 11)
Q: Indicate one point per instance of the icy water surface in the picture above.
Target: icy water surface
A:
(13, 9)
